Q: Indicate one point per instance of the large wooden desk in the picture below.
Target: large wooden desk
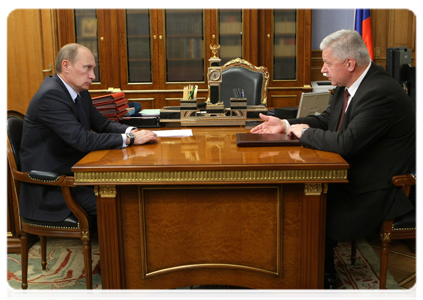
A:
(199, 210)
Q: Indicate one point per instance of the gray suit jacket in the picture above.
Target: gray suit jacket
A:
(54, 140)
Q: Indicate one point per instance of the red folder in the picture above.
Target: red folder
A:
(107, 98)
(112, 104)
(116, 117)
(113, 111)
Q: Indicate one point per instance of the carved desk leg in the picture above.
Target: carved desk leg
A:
(313, 227)
(108, 234)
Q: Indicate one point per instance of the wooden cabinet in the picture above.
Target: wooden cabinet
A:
(151, 54)
(87, 27)
(286, 39)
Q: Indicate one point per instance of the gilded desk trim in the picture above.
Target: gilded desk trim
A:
(166, 177)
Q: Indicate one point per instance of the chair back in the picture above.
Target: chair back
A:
(14, 134)
(239, 73)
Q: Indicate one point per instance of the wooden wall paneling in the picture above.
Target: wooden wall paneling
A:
(105, 50)
(380, 24)
(401, 29)
(416, 55)
(145, 101)
(65, 27)
(161, 48)
(307, 48)
(261, 42)
(252, 46)
(107, 44)
(316, 66)
(301, 55)
(283, 99)
(24, 57)
(49, 40)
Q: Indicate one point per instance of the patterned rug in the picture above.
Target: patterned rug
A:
(65, 267)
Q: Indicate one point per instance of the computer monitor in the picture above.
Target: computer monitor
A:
(398, 63)
(313, 103)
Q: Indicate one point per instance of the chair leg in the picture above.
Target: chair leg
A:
(353, 251)
(43, 243)
(24, 258)
(385, 237)
(88, 263)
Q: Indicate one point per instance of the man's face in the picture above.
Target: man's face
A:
(80, 75)
(336, 70)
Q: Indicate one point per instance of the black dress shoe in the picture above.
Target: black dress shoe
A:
(331, 281)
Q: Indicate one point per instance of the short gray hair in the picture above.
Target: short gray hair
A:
(347, 43)
(69, 52)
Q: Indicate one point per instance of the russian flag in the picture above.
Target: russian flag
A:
(363, 25)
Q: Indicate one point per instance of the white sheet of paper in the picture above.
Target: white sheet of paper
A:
(174, 133)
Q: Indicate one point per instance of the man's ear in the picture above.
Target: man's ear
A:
(65, 66)
(351, 64)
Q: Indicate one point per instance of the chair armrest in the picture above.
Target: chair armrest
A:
(45, 178)
(40, 175)
(404, 180)
(54, 179)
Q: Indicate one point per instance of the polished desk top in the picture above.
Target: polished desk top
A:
(210, 154)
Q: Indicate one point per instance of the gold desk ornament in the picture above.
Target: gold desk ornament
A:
(214, 49)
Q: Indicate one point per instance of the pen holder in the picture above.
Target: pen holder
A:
(188, 104)
(238, 103)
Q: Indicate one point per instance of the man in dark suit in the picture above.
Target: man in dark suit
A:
(57, 134)
(376, 136)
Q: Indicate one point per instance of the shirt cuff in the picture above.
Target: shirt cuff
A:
(287, 124)
(124, 145)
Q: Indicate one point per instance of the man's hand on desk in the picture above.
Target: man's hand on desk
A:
(142, 137)
(297, 129)
(270, 125)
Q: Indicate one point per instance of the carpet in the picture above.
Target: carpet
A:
(65, 267)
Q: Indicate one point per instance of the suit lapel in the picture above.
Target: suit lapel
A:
(357, 96)
(69, 98)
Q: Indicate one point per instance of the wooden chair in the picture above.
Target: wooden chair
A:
(239, 73)
(403, 227)
(75, 226)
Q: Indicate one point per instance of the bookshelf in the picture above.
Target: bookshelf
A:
(138, 45)
(151, 54)
(285, 44)
(230, 24)
(86, 34)
(184, 34)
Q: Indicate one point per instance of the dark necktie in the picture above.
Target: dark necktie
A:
(81, 114)
(344, 107)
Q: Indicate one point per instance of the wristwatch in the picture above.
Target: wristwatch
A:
(131, 137)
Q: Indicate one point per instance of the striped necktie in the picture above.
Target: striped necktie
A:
(81, 114)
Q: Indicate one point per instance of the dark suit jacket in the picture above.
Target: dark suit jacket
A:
(377, 139)
(53, 139)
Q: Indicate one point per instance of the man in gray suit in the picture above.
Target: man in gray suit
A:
(372, 127)
(57, 134)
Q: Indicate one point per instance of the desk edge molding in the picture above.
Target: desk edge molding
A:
(178, 177)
